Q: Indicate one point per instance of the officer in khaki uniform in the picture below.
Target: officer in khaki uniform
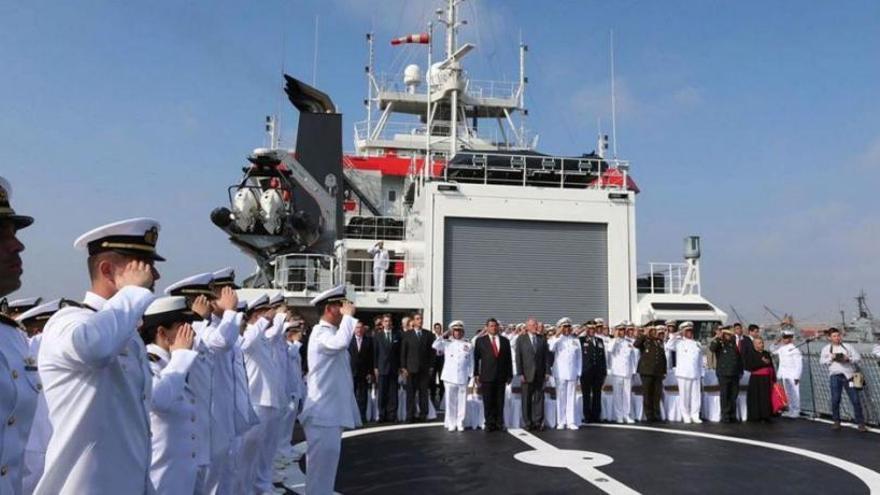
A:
(652, 370)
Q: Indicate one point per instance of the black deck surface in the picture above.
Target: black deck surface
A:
(430, 460)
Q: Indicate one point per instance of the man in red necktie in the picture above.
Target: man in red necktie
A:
(493, 370)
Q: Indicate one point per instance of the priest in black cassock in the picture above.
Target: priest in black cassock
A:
(760, 364)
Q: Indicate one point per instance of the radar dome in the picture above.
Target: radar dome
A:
(412, 75)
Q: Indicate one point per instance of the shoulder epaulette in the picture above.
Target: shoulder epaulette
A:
(154, 358)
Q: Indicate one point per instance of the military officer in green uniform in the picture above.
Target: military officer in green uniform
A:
(728, 369)
(652, 369)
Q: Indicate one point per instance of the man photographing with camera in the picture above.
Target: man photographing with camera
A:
(842, 361)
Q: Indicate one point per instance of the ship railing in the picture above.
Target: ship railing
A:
(305, 275)
(477, 88)
(376, 228)
(513, 168)
(663, 278)
(402, 275)
(366, 134)
(815, 388)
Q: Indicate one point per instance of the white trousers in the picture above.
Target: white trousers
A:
(689, 398)
(288, 419)
(253, 447)
(322, 458)
(565, 402)
(793, 391)
(232, 481)
(455, 398)
(379, 279)
(621, 397)
(264, 474)
(211, 476)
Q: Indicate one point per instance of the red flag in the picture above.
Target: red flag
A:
(422, 39)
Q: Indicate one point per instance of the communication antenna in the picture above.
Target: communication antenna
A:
(315, 59)
(613, 104)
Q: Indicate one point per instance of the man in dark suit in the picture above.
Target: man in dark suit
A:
(594, 369)
(652, 370)
(533, 363)
(493, 369)
(361, 351)
(417, 363)
(386, 362)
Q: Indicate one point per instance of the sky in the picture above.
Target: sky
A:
(755, 125)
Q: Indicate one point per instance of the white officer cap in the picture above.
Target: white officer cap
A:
(622, 324)
(6, 211)
(258, 302)
(242, 306)
(133, 237)
(276, 299)
(670, 323)
(457, 324)
(599, 321)
(660, 327)
(41, 312)
(686, 324)
(24, 304)
(332, 295)
(292, 325)
(563, 322)
(788, 333)
(195, 285)
(168, 310)
(224, 277)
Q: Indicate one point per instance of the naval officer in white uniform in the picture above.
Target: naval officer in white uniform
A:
(95, 371)
(458, 367)
(688, 371)
(791, 366)
(19, 383)
(34, 320)
(622, 358)
(330, 405)
(566, 350)
(176, 432)
(381, 263)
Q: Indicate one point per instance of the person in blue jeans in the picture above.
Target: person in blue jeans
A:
(841, 360)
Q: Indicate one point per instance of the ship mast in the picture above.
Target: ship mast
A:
(452, 23)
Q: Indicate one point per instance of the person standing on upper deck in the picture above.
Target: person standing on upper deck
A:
(381, 262)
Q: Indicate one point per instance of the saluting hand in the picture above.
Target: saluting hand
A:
(201, 306)
(136, 273)
(348, 308)
(228, 300)
(184, 338)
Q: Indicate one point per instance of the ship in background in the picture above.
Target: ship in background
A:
(863, 330)
(478, 221)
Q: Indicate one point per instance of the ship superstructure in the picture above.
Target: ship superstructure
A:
(477, 220)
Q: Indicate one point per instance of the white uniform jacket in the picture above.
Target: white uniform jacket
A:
(173, 411)
(381, 259)
(330, 400)
(259, 344)
(791, 362)
(296, 388)
(211, 378)
(458, 360)
(622, 358)
(245, 417)
(688, 357)
(567, 360)
(96, 375)
(19, 386)
(41, 430)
